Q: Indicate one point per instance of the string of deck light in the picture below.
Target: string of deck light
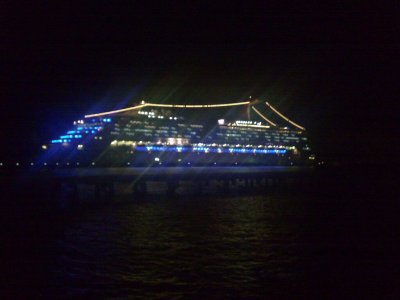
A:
(199, 106)
(284, 117)
(262, 116)
(115, 111)
(167, 105)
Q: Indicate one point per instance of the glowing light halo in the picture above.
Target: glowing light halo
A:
(284, 117)
(262, 116)
(166, 105)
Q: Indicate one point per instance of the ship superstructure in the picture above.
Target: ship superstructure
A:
(151, 134)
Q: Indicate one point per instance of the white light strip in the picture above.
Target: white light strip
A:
(285, 118)
(165, 105)
(250, 125)
(262, 116)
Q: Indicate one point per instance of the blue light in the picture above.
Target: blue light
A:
(210, 149)
(71, 132)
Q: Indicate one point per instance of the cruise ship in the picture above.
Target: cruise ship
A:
(153, 134)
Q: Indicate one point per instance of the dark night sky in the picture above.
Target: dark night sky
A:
(333, 69)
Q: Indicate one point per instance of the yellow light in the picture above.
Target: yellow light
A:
(197, 105)
(285, 118)
(44, 147)
(116, 111)
(166, 105)
(262, 116)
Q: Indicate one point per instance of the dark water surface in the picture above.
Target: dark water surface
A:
(341, 243)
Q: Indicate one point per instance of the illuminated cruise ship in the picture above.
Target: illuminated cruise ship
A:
(151, 134)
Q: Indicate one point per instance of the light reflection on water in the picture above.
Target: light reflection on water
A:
(186, 246)
(282, 244)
